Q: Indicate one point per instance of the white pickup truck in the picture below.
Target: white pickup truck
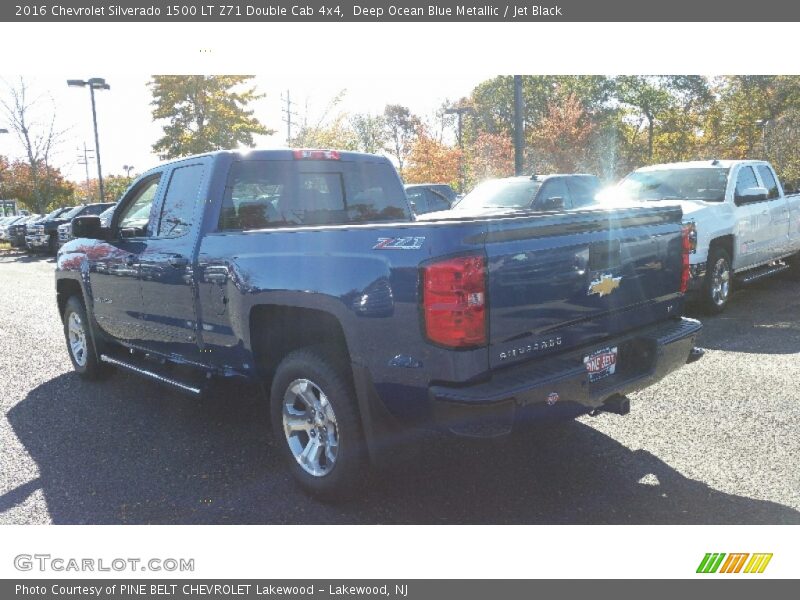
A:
(746, 226)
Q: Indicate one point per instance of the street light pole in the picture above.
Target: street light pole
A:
(519, 124)
(97, 146)
(95, 83)
(460, 112)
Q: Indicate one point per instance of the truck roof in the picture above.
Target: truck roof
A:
(701, 164)
(277, 154)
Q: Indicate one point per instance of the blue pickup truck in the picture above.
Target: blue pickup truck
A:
(306, 271)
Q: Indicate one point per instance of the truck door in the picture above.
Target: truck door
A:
(778, 242)
(166, 268)
(752, 222)
(114, 264)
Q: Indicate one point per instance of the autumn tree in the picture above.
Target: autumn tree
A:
(204, 113)
(432, 161)
(561, 141)
(114, 185)
(490, 155)
(401, 131)
(33, 121)
(40, 193)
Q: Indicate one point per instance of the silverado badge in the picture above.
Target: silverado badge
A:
(604, 285)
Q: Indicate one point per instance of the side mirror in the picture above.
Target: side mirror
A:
(753, 194)
(554, 203)
(88, 227)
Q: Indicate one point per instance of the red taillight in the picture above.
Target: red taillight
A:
(316, 155)
(454, 301)
(686, 249)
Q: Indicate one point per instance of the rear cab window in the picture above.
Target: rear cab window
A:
(293, 193)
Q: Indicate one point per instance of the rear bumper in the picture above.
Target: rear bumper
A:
(561, 384)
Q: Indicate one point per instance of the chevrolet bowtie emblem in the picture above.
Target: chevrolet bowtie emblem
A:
(604, 285)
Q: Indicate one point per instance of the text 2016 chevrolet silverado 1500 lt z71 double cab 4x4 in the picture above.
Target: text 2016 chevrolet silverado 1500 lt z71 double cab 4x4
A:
(306, 271)
(746, 226)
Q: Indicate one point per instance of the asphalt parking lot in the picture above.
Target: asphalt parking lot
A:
(717, 442)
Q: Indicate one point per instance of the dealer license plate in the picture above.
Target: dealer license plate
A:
(601, 363)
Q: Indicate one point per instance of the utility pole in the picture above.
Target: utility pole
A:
(83, 159)
(288, 118)
(519, 143)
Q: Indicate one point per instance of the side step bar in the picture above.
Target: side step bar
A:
(769, 270)
(195, 391)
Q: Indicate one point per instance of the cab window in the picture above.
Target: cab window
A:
(769, 181)
(136, 215)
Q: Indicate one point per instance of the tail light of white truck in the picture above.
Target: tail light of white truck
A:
(686, 250)
(454, 301)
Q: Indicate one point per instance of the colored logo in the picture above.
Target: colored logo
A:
(604, 285)
(742, 562)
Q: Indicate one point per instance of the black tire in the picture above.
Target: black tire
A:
(52, 245)
(718, 283)
(85, 363)
(339, 478)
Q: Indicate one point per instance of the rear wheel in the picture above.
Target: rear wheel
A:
(718, 282)
(316, 423)
(79, 341)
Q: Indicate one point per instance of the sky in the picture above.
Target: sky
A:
(127, 130)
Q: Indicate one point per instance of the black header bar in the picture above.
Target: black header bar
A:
(400, 11)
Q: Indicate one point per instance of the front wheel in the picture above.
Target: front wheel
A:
(316, 423)
(718, 281)
(79, 341)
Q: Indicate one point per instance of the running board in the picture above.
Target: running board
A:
(756, 274)
(195, 391)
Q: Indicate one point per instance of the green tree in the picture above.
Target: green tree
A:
(370, 132)
(401, 132)
(335, 135)
(204, 113)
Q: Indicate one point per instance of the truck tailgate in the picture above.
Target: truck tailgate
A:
(561, 282)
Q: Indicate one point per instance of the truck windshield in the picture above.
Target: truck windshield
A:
(501, 193)
(71, 213)
(675, 184)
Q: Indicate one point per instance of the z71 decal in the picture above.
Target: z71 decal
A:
(402, 243)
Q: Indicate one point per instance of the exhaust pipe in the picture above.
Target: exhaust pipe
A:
(695, 354)
(616, 404)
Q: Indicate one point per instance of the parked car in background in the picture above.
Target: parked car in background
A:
(6, 223)
(16, 232)
(430, 197)
(105, 216)
(305, 271)
(534, 193)
(65, 229)
(44, 234)
(745, 227)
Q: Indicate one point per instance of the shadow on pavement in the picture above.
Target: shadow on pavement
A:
(761, 318)
(126, 451)
(20, 256)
